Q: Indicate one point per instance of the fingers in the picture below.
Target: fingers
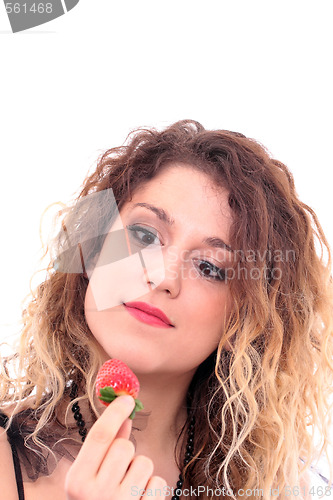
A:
(125, 429)
(101, 436)
(156, 488)
(138, 480)
(138, 474)
(116, 463)
(106, 466)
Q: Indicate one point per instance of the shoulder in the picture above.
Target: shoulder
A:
(8, 486)
(7, 474)
(13, 409)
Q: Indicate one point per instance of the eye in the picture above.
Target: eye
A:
(143, 236)
(210, 271)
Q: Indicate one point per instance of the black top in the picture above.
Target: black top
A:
(30, 460)
(16, 460)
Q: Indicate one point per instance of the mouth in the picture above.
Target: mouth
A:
(148, 314)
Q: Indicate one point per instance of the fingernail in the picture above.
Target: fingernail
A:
(128, 400)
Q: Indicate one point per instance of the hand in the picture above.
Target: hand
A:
(106, 468)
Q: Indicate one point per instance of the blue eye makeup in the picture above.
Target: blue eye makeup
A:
(142, 236)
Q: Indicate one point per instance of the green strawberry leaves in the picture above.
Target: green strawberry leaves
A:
(107, 394)
(138, 406)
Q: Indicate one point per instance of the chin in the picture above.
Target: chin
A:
(135, 359)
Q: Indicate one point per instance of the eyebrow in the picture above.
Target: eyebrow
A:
(163, 216)
(217, 243)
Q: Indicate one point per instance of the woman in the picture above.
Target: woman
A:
(188, 256)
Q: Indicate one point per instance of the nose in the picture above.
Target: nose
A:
(163, 272)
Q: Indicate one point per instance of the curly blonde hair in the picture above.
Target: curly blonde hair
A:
(253, 403)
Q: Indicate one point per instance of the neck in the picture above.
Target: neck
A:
(157, 427)
(165, 411)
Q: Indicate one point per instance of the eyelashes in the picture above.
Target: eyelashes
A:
(205, 267)
(144, 238)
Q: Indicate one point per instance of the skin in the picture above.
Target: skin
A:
(109, 464)
(106, 448)
(190, 300)
(195, 304)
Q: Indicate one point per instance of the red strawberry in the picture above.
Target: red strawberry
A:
(114, 379)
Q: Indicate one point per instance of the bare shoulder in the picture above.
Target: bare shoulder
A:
(8, 485)
(45, 487)
(7, 474)
(13, 408)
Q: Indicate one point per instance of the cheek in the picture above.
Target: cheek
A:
(208, 310)
(89, 303)
(90, 310)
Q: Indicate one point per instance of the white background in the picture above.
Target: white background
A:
(77, 85)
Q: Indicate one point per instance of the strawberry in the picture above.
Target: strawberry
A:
(114, 379)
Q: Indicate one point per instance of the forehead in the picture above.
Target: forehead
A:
(190, 197)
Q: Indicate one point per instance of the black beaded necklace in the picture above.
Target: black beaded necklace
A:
(189, 446)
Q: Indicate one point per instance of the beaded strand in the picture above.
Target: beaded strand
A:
(189, 446)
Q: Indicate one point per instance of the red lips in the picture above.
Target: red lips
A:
(147, 308)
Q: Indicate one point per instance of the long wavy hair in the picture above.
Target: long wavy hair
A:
(256, 404)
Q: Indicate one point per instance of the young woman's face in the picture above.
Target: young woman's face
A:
(174, 225)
